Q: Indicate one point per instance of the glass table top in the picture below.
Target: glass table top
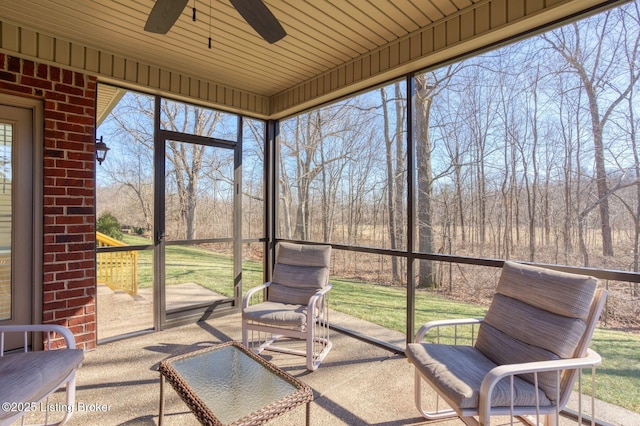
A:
(230, 382)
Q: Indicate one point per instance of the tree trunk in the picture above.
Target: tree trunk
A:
(423, 103)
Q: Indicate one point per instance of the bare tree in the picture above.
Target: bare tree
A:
(187, 159)
(396, 169)
(132, 121)
(591, 51)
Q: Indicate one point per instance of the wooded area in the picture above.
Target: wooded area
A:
(527, 152)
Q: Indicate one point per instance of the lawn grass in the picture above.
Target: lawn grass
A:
(617, 379)
(193, 264)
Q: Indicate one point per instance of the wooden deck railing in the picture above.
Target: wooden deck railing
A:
(117, 270)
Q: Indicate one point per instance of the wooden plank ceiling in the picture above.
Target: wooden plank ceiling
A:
(322, 34)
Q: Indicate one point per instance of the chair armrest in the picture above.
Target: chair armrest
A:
(591, 359)
(246, 300)
(444, 323)
(317, 296)
(48, 328)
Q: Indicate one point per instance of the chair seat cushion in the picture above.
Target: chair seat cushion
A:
(274, 313)
(29, 377)
(457, 372)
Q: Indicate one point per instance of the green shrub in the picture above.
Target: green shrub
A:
(109, 225)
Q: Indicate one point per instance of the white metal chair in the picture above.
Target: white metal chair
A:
(29, 377)
(530, 347)
(296, 304)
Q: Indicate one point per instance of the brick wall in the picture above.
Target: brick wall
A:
(69, 200)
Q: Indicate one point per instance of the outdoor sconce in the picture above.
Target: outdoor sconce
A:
(101, 150)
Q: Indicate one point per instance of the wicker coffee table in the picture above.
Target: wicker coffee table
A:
(227, 384)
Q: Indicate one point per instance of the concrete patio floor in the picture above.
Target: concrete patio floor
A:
(358, 384)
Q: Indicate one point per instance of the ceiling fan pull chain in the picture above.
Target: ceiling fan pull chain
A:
(194, 10)
(209, 24)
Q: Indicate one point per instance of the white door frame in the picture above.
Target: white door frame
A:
(36, 107)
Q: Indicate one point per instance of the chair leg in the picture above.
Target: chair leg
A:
(245, 334)
(71, 398)
(318, 344)
(429, 415)
(550, 420)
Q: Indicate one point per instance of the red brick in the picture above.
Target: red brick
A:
(69, 294)
(13, 64)
(81, 320)
(53, 134)
(54, 229)
(54, 248)
(89, 338)
(67, 76)
(15, 88)
(83, 156)
(81, 119)
(82, 246)
(53, 286)
(54, 73)
(70, 90)
(69, 220)
(55, 96)
(79, 79)
(76, 329)
(83, 283)
(53, 211)
(69, 238)
(70, 311)
(69, 107)
(70, 145)
(55, 305)
(78, 303)
(86, 172)
(43, 70)
(28, 68)
(87, 266)
(88, 229)
(81, 100)
(54, 267)
(69, 127)
(36, 82)
(69, 275)
(7, 76)
(55, 115)
(69, 164)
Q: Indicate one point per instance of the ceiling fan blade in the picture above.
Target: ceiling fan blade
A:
(258, 15)
(164, 14)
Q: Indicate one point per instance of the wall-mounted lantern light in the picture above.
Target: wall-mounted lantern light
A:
(101, 150)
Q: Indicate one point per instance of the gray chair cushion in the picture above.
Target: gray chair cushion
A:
(274, 313)
(535, 327)
(300, 271)
(562, 293)
(536, 314)
(303, 254)
(28, 377)
(279, 293)
(457, 372)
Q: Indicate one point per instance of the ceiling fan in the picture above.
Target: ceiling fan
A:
(166, 12)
